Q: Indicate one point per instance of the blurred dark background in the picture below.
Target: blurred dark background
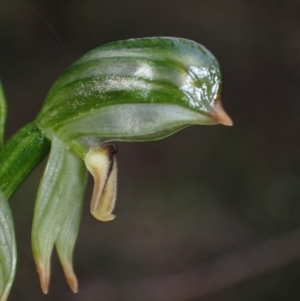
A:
(211, 213)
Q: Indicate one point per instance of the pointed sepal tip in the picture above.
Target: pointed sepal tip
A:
(44, 275)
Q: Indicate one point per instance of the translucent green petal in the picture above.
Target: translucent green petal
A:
(8, 254)
(63, 174)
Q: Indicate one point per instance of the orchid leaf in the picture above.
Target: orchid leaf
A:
(8, 254)
(3, 113)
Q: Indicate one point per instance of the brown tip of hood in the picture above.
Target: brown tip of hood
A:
(219, 115)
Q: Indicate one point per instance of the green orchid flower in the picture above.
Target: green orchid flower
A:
(134, 90)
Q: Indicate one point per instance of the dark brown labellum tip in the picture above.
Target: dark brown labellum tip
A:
(112, 149)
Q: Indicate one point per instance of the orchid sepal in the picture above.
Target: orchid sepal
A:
(134, 90)
(60, 190)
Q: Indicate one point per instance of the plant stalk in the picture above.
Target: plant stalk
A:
(20, 155)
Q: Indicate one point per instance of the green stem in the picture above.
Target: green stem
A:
(20, 155)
